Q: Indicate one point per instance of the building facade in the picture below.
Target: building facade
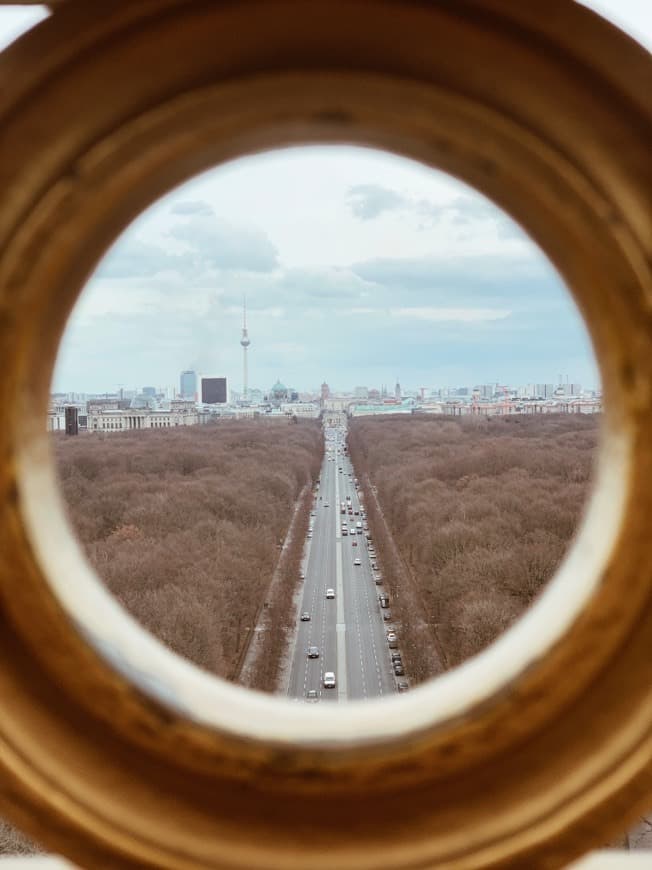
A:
(213, 391)
(188, 385)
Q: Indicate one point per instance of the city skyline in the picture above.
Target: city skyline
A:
(355, 264)
(180, 391)
(378, 264)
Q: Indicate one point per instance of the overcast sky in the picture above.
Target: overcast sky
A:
(358, 267)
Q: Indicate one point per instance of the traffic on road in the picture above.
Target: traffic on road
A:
(346, 647)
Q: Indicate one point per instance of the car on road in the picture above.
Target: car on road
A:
(309, 535)
(374, 565)
(312, 695)
(305, 616)
(402, 686)
(330, 593)
(391, 634)
(398, 670)
(302, 575)
(329, 680)
(357, 561)
(387, 616)
(313, 652)
(354, 543)
(326, 504)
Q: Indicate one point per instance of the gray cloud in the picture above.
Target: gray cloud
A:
(467, 211)
(212, 244)
(133, 258)
(221, 245)
(192, 206)
(479, 281)
(367, 201)
(310, 286)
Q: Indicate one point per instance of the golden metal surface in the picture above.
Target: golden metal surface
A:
(528, 756)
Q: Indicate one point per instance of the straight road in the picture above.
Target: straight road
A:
(348, 630)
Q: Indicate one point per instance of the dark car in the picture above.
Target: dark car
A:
(398, 670)
(313, 652)
(396, 657)
(305, 616)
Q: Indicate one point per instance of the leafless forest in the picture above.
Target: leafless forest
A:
(481, 511)
(184, 525)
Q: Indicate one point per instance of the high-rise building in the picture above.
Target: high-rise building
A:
(72, 420)
(213, 391)
(188, 385)
(397, 390)
(485, 391)
(149, 391)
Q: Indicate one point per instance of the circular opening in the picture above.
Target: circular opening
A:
(417, 261)
(548, 145)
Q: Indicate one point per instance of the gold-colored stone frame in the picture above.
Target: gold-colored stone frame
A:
(531, 754)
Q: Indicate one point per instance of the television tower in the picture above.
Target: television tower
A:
(244, 341)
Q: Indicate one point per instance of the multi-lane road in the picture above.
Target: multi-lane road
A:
(347, 630)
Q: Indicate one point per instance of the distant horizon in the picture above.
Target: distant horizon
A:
(335, 389)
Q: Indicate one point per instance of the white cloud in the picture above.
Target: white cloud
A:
(436, 314)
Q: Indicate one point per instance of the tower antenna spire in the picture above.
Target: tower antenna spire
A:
(245, 342)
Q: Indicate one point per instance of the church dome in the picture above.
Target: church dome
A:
(279, 389)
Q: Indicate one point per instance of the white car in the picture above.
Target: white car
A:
(329, 680)
(357, 562)
(330, 593)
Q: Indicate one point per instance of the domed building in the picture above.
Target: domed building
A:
(278, 393)
(143, 402)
